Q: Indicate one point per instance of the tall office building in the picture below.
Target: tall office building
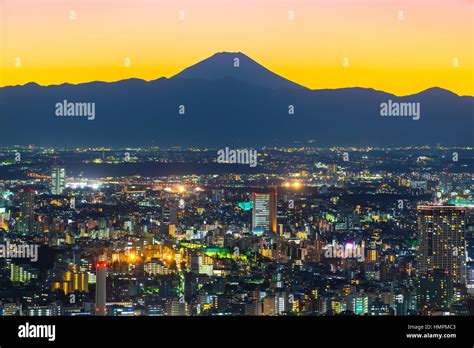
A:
(58, 180)
(2, 190)
(434, 290)
(27, 211)
(276, 304)
(101, 286)
(441, 239)
(359, 304)
(170, 215)
(176, 308)
(264, 215)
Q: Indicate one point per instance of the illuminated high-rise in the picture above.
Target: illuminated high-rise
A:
(72, 281)
(170, 215)
(441, 239)
(101, 286)
(27, 211)
(22, 273)
(264, 214)
(2, 190)
(359, 304)
(58, 180)
(434, 290)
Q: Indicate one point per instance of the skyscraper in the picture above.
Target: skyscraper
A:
(2, 189)
(27, 211)
(264, 212)
(101, 286)
(58, 180)
(434, 291)
(170, 215)
(441, 239)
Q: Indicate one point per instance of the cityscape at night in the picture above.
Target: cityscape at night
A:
(236, 172)
(307, 231)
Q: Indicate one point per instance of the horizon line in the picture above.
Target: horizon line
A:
(241, 53)
(168, 78)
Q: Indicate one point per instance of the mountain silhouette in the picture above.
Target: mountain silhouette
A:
(238, 66)
(225, 105)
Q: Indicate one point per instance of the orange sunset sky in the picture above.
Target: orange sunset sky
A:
(399, 46)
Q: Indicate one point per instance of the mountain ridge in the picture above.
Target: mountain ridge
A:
(228, 111)
(230, 55)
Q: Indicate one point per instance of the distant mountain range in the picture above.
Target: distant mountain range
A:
(229, 100)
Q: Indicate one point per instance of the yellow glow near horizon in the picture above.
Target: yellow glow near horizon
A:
(316, 43)
(297, 184)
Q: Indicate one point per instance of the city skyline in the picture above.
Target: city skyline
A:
(200, 165)
(341, 237)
